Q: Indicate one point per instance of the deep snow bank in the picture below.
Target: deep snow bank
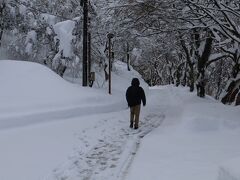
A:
(31, 93)
(29, 89)
(27, 86)
(31, 85)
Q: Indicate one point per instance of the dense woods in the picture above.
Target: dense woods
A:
(193, 43)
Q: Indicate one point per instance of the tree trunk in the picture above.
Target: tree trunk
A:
(61, 69)
(233, 93)
(191, 77)
(202, 62)
(190, 65)
(238, 98)
(233, 90)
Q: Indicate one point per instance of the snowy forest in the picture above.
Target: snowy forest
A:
(194, 43)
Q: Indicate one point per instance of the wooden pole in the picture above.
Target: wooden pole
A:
(110, 36)
(85, 44)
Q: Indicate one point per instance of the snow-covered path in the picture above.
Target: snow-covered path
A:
(99, 146)
(108, 148)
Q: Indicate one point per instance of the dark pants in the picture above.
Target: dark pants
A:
(134, 115)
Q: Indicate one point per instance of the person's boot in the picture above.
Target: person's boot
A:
(131, 125)
(135, 127)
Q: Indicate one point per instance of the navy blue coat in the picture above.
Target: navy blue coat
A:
(135, 94)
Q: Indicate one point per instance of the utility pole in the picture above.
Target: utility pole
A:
(110, 36)
(84, 3)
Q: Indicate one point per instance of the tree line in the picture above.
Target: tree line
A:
(193, 43)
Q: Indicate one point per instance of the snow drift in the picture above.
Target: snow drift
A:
(29, 89)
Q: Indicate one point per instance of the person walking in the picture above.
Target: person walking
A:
(134, 96)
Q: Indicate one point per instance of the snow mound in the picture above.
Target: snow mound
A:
(123, 77)
(27, 86)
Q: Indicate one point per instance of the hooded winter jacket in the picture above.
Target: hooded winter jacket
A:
(135, 94)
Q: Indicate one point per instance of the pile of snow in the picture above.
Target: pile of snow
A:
(29, 88)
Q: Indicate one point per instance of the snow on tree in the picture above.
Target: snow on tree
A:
(222, 18)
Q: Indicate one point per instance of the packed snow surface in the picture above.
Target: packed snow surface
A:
(51, 129)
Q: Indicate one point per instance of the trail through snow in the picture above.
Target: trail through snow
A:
(111, 154)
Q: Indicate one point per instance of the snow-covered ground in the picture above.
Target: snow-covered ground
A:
(197, 140)
(52, 129)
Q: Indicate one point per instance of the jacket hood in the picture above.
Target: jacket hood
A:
(135, 82)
